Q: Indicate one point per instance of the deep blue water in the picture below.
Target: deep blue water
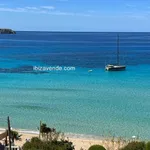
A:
(91, 50)
(97, 103)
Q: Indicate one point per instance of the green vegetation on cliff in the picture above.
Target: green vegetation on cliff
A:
(7, 31)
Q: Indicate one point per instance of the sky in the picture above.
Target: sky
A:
(76, 15)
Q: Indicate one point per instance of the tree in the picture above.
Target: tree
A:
(49, 134)
(15, 136)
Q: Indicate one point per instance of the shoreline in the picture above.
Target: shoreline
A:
(80, 141)
(70, 135)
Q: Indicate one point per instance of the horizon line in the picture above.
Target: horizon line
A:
(84, 31)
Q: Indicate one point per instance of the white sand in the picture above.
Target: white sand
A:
(78, 142)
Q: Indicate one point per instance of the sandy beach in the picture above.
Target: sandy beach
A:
(78, 142)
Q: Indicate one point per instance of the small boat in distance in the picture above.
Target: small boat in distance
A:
(90, 70)
(117, 66)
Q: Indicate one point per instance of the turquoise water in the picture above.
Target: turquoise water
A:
(97, 103)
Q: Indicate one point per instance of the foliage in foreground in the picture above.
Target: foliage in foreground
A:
(15, 135)
(49, 134)
(148, 146)
(135, 146)
(97, 147)
(50, 140)
(37, 144)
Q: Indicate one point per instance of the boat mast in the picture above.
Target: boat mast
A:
(118, 61)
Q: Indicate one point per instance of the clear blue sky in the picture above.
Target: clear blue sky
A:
(75, 15)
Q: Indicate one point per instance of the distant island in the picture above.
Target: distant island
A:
(7, 31)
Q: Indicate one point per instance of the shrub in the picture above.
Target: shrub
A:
(37, 144)
(97, 147)
(135, 146)
(148, 146)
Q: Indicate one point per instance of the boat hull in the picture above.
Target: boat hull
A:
(115, 68)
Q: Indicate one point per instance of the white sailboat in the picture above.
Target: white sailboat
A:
(117, 66)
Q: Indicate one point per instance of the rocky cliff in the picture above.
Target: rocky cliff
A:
(7, 31)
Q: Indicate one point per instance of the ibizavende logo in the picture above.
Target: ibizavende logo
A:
(54, 68)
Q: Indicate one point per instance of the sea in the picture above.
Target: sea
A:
(82, 99)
